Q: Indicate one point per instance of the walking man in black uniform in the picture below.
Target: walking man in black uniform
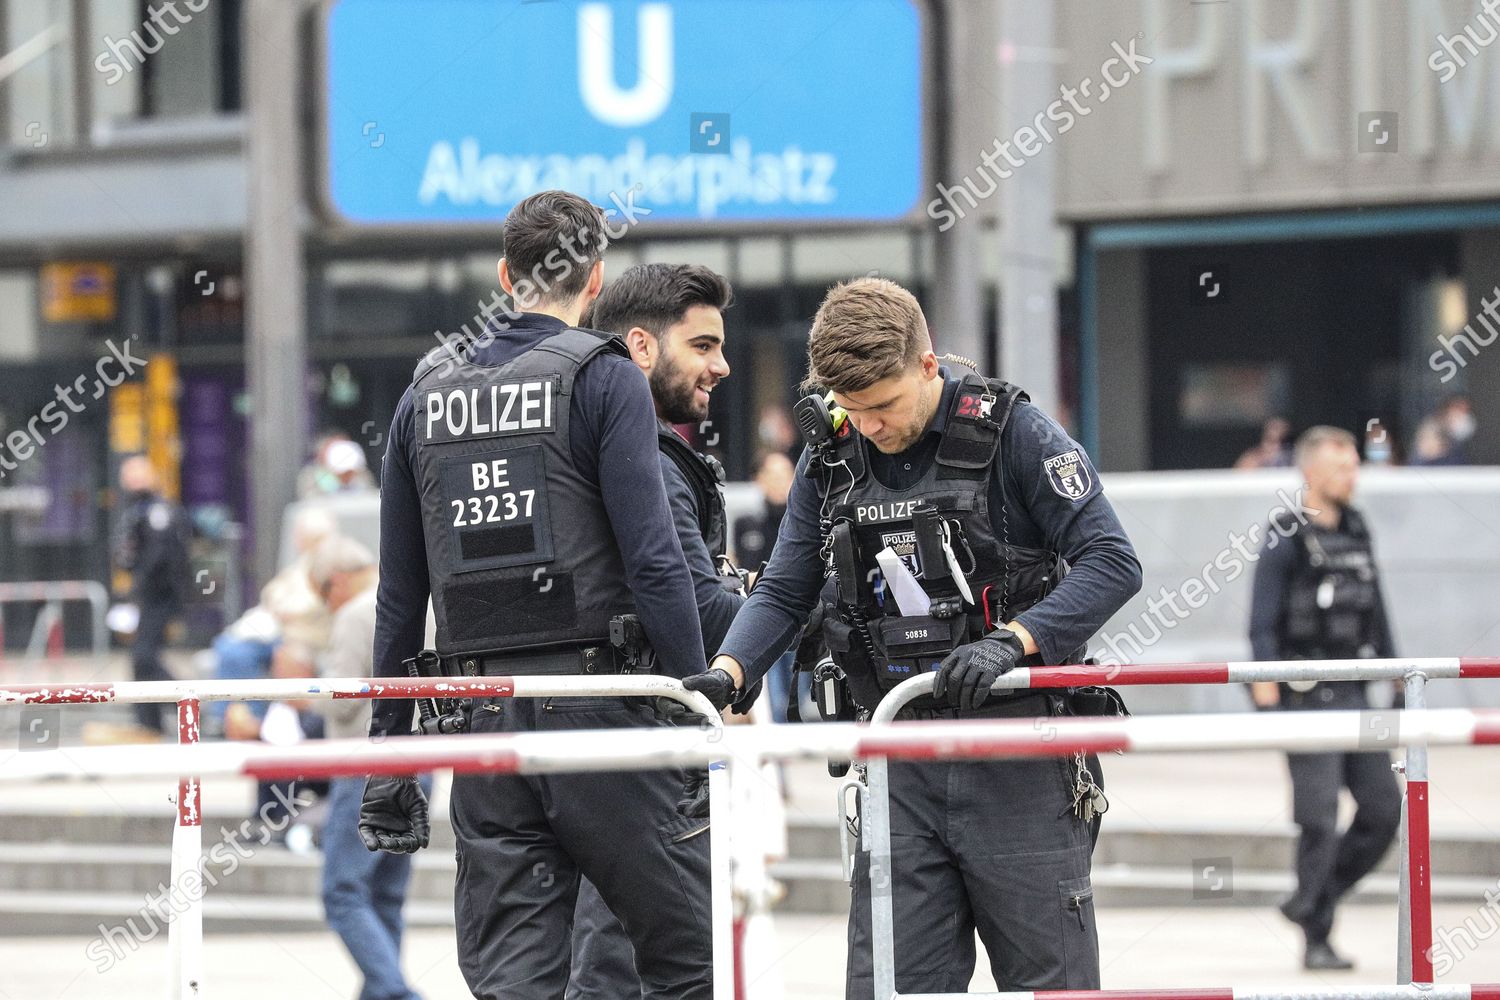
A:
(671, 318)
(522, 490)
(152, 545)
(1021, 559)
(1317, 596)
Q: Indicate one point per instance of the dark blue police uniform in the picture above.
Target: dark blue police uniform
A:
(521, 491)
(1317, 596)
(603, 961)
(992, 846)
(152, 544)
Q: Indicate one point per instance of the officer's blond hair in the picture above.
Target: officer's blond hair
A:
(1315, 438)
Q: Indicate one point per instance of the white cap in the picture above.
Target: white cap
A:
(344, 456)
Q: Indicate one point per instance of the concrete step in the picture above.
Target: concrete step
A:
(1124, 842)
(241, 904)
(116, 860)
(33, 912)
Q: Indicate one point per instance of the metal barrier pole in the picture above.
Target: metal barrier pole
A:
(875, 837)
(1418, 857)
(1403, 893)
(875, 831)
(98, 599)
(721, 776)
(185, 926)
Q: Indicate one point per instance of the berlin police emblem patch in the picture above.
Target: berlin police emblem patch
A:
(1068, 475)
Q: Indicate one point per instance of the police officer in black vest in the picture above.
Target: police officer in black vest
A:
(521, 490)
(1018, 558)
(152, 545)
(671, 318)
(1317, 596)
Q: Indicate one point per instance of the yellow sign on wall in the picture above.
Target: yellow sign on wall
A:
(77, 292)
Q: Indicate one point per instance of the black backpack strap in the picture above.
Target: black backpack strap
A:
(976, 418)
(699, 474)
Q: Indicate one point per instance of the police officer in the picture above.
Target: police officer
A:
(152, 545)
(671, 318)
(522, 490)
(1021, 559)
(1317, 596)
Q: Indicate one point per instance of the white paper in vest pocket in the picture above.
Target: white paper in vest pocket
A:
(911, 599)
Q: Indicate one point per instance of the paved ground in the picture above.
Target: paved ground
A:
(1189, 946)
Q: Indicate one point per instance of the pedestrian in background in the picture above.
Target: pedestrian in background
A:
(363, 890)
(1272, 450)
(1317, 596)
(152, 546)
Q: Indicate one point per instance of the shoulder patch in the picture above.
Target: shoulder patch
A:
(1068, 475)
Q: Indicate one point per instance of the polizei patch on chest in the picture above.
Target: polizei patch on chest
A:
(482, 411)
(873, 513)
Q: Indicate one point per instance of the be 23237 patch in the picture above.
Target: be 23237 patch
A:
(1068, 475)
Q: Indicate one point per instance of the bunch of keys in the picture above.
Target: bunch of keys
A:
(1088, 797)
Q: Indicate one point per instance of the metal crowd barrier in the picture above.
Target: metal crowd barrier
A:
(52, 594)
(738, 752)
(185, 928)
(1414, 907)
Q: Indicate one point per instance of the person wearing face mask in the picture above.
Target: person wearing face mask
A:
(1459, 424)
(960, 478)
(1317, 596)
(1443, 436)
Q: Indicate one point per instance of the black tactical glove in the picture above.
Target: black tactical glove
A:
(964, 678)
(716, 685)
(393, 816)
(746, 701)
(694, 801)
(671, 712)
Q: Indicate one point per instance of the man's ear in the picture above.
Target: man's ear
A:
(643, 347)
(929, 364)
(505, 282)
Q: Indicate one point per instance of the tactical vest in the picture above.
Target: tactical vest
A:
(1331, 601)
(520, 551)
(876, 645)
(705, 475)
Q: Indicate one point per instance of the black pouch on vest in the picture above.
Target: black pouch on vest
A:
(1096, 701)
(913, 646)
(848, 652)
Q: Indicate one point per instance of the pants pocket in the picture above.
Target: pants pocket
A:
(685, 843)
(1078, 933)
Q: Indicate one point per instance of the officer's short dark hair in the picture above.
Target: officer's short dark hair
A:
(866, 330)
(553, 239)
(655, 297)
(1316, 437)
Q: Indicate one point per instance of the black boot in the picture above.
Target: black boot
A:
(1320, 955)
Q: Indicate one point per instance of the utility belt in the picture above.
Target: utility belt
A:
(627, 652)
(555, 662)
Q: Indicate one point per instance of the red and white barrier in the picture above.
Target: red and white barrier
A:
(733, 755)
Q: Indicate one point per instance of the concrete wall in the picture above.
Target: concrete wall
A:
(1437, 540)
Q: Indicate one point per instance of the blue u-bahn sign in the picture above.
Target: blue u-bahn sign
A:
(451, 111)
